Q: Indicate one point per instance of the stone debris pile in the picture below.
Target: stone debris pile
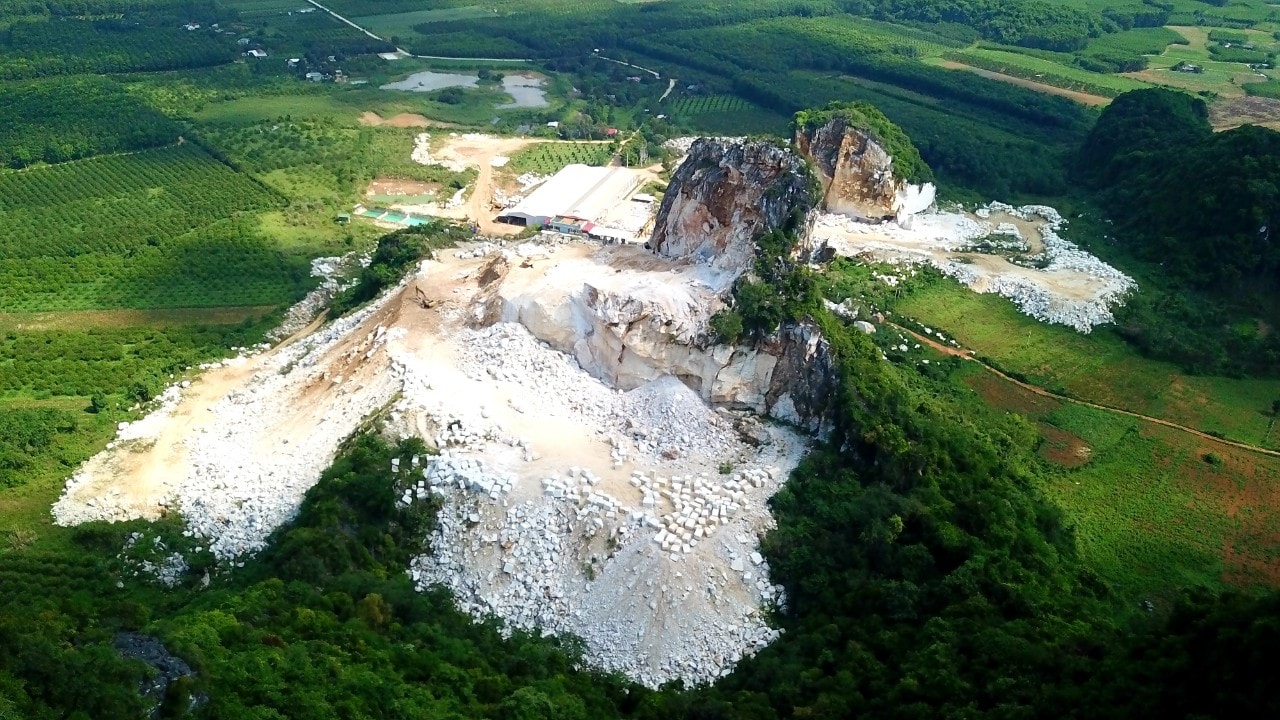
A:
(333, 272)
(1062, 284)
(422, 150)
(153, 560)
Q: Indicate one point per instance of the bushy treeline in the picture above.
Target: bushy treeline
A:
(64, 46)
(1205, 208)
(70, 118)
(394, 257)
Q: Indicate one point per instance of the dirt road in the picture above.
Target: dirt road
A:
(1080, 97)
(966, 354)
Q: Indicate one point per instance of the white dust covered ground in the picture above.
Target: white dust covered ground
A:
(1046, 276)
(569, 505)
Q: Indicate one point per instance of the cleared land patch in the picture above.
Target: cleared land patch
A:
(1080, 97)
(1153, 507)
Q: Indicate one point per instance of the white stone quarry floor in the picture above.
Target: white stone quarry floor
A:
(1074, 288)
(630, 518)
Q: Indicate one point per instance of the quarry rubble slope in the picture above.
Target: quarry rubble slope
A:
(627, 514)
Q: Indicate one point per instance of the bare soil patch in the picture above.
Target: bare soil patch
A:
(1234, 112)
(1080, 97)
(395, 186)
(403, 120)
(77, 319)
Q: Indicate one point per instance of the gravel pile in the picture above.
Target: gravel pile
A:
(1032, 291)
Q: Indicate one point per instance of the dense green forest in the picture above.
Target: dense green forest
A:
(69, 118)
(1204, 207)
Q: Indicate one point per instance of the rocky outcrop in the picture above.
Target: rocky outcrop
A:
(725, 196)
(629, 336)
(857, 174)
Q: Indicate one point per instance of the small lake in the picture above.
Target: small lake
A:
(526, 92)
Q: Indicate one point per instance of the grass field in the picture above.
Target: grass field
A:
(1099, 367)
(1224, 78)
(547, 158)
(1029, 66)
(1153, 508)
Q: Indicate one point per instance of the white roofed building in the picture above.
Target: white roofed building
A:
(579, 192)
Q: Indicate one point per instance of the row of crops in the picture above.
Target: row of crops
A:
(119, 204)
(224, 264)
(547, 158)
(78, 362)
(709, 104)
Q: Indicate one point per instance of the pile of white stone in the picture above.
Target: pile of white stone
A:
(332, 272)
(152, 561)
(955, 232)
(422, 150)
(235, 501)
(581, 561)
(692, 507)
(1039, 301)
(661, 420)
(445, 472)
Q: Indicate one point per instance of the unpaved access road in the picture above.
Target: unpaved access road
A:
(1080, 97)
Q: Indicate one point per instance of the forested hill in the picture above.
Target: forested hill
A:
(1206, 205)
(1203, 208)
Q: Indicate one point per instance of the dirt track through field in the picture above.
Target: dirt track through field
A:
(965, 354)
(1080, 97)
(78, 319)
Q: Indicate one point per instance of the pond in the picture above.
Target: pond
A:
(526, 92)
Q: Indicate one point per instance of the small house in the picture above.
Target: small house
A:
(315, 76)
(191, 26)
(243, 41)
(553, 124)
(610, 132)
(256, 54)
(293, 62)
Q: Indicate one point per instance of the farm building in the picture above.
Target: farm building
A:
(576, 193)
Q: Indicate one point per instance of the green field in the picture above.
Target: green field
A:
(547, 158)
(726, 115)
(1149, 510)
(1029, 66)
(396, 24)
(1099, 367)
(1224, 78)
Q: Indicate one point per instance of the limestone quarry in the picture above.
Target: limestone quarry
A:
(604, 466)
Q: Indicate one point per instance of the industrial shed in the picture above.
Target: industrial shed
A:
(578, 192)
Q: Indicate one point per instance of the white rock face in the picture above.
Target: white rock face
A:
(632, 329)
(627, 517)
(912, 200)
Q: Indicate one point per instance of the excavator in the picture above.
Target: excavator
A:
(421, 298)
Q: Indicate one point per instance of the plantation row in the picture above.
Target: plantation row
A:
(63, 47)
(118, 204)
(79, 363)
(547, 158)
(712, 103)
(225, 264)
(69, 118)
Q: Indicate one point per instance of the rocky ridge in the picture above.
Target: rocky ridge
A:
(857, 174)
(725, 196)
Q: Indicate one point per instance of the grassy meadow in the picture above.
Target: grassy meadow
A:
(1099, 367)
